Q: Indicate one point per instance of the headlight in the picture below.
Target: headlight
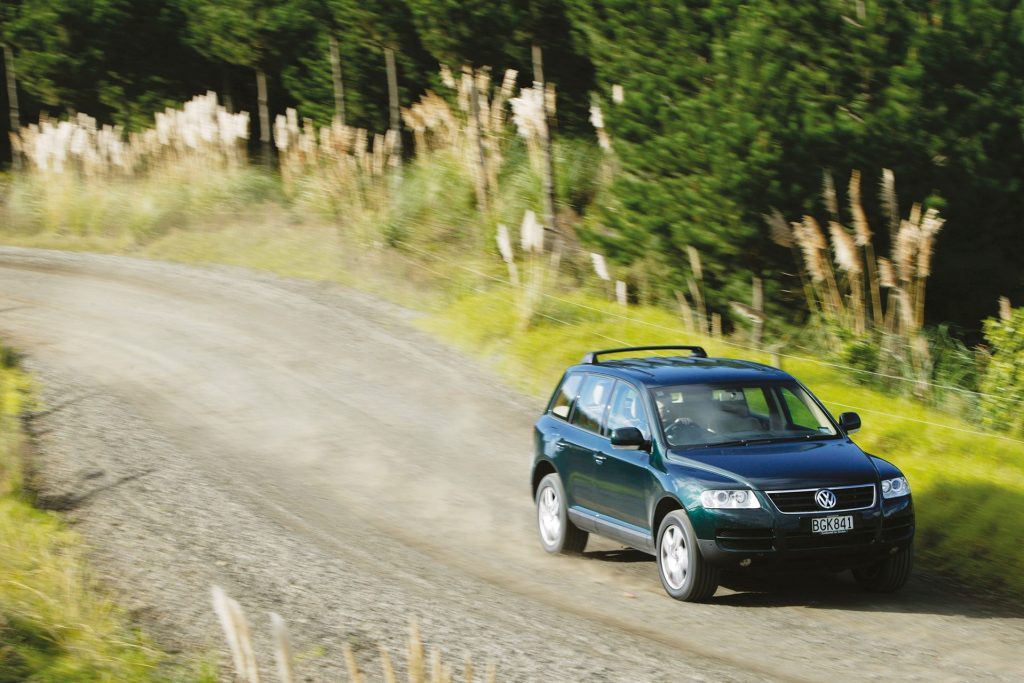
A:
(894, 488)
(729, 499)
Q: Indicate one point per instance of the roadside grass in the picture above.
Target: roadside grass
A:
(56, 624)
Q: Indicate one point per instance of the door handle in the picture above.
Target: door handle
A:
(600, 458)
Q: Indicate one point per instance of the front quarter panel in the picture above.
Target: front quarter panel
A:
(686, 479)
(886, 470)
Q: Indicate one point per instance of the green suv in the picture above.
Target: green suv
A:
(711, 463)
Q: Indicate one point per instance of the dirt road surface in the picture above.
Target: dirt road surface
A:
(303, 446)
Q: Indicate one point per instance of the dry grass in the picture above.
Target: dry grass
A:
(849, 295)
(239, 639)
(201, 136)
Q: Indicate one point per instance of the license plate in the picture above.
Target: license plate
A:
(838, 524)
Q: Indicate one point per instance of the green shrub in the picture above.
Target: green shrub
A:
(1002, 384)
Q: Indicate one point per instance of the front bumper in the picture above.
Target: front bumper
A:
(766, 536)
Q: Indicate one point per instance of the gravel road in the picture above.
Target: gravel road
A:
(302, 446)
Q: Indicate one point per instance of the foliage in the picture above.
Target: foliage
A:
(1003, 380)
(500, 35)
(729, 108)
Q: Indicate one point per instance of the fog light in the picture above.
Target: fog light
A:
(745, 562)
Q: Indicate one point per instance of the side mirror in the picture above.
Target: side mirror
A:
(628, 437)
(850, 422)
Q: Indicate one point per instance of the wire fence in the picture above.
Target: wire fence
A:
(651, 325)
(726, 342)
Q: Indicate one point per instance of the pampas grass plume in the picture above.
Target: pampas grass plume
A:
(282, 649)
(845, 249)
(1005, 312)
(779, 229)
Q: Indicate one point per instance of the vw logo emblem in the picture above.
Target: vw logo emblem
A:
(825, 499)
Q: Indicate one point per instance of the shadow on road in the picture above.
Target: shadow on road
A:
(621, 555)
(924, 594)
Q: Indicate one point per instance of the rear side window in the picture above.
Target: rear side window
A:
(565, 396)
(592, 402)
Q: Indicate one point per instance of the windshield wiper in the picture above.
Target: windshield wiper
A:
(762, 439)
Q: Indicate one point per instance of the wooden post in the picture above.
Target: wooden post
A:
(482, 197)
(396, 119)
(757, 303)
(550, 219)
(261, 94)
(12, 99)
(698, 300)
(339, 86)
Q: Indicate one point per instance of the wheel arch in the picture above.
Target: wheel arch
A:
(665, 505)
(540, 470)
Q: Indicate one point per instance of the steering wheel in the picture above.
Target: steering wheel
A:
(683, 430)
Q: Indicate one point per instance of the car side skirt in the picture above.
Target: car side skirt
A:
(602, 525)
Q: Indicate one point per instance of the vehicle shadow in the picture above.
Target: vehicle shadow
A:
(622, 555)
(923, 594)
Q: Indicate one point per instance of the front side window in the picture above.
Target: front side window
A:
(627, 410)
(590, 407)
(709, 415)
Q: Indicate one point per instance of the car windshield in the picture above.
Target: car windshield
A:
(704, 415)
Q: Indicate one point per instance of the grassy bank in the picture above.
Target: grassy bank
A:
(968, 486)
(56, 624)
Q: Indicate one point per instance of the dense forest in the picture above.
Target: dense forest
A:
(719, 111)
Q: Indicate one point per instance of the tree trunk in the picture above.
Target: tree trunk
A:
(261, 94)
(225, 87)
(12, 99)
(396, 120)
(550, 219)
(339, 86)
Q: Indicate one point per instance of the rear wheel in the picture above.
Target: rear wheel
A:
(889, 575)
(557, 532)
(684, 572)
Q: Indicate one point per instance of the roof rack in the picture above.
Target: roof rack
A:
(695, 351)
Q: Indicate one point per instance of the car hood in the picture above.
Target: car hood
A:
(771, 467)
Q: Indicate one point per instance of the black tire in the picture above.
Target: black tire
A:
(889, 575)
(699, 579)
(567, 538)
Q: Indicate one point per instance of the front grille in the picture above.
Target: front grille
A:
(847, 498)
(746, 540)
(800, 540)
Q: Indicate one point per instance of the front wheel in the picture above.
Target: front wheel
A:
(557, 532)
(684, 572)
(889, 575)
